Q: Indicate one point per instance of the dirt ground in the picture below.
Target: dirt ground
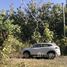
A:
(57, 62)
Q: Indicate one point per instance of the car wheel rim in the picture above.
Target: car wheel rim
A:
(51, 55)
(26, 55)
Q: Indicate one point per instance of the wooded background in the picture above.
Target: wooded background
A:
(25, 26)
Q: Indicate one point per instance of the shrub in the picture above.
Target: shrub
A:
(12, 45)
(63, 45)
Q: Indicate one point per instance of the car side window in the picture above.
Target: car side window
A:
(49, 45)
(37, 45)
(46, 45)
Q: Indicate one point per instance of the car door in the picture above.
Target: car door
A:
(36, 49)
(45, 48)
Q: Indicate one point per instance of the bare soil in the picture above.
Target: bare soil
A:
(19, 62)
(57, 62)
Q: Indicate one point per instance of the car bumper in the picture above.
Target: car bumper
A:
(58, 53)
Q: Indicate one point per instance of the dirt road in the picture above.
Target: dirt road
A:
(57, 62)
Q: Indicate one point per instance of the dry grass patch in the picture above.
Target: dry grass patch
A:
(57, 62)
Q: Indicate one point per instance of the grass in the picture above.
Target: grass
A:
(57, 62)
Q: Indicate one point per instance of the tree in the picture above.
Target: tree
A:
(56, 20)
(47, 35)
(3, 30)
(36, 36)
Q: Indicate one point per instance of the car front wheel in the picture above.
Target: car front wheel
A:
(51, 55)
(26, 55)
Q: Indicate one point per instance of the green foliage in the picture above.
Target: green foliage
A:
(66, 16)
(47, 35)
(11, 45)
(11, 28)
(64, 41)
(56, 20)
(36, 24)
(66, 30)
(36, 36)
(3, 30)
(0, 56)
(63, 46)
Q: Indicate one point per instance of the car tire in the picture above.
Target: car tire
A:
(51, 55)
(26, 54)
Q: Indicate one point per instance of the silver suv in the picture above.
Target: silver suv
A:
(49, 50)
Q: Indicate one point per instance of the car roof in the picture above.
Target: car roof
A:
(47, 43)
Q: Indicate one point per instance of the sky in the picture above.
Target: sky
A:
(5, 4)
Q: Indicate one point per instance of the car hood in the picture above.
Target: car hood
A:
(26, 49)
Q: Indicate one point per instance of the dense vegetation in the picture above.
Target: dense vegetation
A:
(35, 24)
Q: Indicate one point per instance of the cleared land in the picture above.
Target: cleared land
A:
(57, 62)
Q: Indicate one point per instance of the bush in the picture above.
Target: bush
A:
(12, 45)
(63, 45)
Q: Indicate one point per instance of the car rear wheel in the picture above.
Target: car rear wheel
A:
(26, 55)
(51, 55)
